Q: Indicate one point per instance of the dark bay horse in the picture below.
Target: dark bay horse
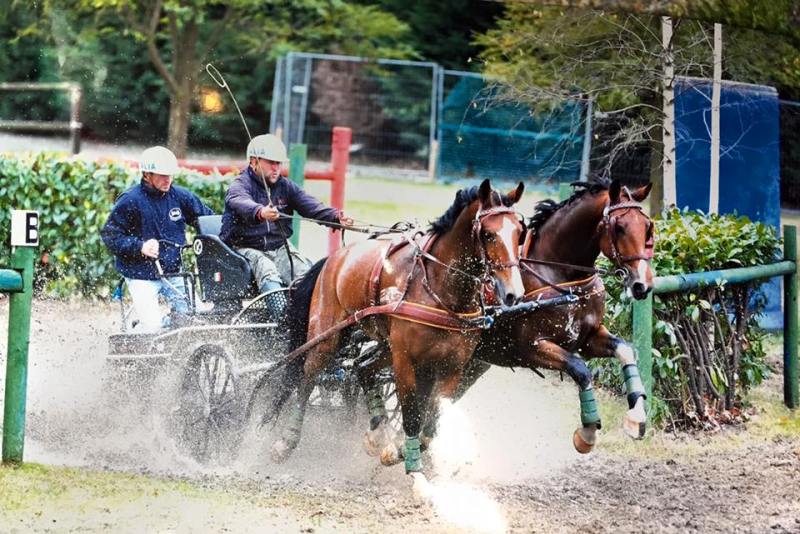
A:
(558, 256)
(475, 241)
(561, 248)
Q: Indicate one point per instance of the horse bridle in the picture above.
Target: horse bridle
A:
(609, 221)
(488, 264)
(477, 226)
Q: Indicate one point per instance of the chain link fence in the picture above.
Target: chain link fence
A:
(389, 104)
(483, 134)
(417, 115)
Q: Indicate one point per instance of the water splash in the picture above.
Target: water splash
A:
(460, 503)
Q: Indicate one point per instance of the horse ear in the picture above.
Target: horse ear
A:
(513, 196)
(613, 192)
(485, 192)
(641, 193)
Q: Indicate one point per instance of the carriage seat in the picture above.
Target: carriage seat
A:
(225, 275)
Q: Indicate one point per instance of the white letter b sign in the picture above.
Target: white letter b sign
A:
(24, 228)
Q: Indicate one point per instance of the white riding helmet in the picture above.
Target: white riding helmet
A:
(159, 160)
(267, 146)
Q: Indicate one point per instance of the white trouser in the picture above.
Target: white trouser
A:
(144, 294)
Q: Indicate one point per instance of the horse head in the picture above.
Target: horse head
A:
(626, 237)
(497, 231)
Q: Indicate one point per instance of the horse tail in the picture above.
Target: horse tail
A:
(296, 322)
(300, 305)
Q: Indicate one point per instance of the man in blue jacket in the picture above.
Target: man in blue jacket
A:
(257, 222)
(147, 225)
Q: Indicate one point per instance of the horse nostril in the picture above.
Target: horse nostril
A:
(510, 299)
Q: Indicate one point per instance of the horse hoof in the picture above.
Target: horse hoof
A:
(374, 442)
(390, 455)
(280, 451)
(633, 428)
(583, 440)
(421, 488)
(635, 421)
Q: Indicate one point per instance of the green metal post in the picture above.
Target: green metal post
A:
(643, 341)
(297, 167)
(19, 323)
(10, 281)
(790, 326)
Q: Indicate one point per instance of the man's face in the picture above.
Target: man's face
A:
(161, 182)
(271, 170)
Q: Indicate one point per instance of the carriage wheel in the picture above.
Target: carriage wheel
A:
(393, 411)
(208, 411)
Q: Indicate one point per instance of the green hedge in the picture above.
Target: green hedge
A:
(708, 349)
(73, 198)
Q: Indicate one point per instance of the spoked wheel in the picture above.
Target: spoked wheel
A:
(209, 412)
(393, 411)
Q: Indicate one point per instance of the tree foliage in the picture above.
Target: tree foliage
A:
(548, 54)
(772, 17)
(138, 57)
(443, 30)
(708, 349)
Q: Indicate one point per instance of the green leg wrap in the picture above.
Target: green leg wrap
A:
(412, 455)
(633, 383)
(589, 415)
(375, 403)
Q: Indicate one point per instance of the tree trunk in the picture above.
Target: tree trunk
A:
(184, 68)
(179, 119)
(668, 105)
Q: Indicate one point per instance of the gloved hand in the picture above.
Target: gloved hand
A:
(150, 248)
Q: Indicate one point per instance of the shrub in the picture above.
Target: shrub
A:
(73, 198)
(707, 347)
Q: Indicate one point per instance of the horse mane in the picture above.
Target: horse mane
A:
(546, 208)
(464, 197)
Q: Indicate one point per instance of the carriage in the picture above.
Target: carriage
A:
(222, 359)
(229, 353)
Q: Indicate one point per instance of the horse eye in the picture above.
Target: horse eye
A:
(619, 229)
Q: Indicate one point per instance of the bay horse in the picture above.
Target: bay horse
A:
(560, 250)
(563, 243)
(440, 283)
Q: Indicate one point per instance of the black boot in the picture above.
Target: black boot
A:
(275, 302)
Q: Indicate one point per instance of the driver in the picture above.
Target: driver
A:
(257, 221)
(145, 230)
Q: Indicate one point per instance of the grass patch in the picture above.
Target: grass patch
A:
(30, 487)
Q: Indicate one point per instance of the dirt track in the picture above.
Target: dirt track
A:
(522, 474)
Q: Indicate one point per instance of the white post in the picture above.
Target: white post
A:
(713, 193)
(668, 106)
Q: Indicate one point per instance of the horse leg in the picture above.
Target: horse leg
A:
(475, 369)
(316, 360)
(602, 344)
(551, 356)
(379, 434)
(407, 394)
(450, 390)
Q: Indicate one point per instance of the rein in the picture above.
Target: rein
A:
(488, 264)
(607, 223)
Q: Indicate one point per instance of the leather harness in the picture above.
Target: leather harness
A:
(441, 318)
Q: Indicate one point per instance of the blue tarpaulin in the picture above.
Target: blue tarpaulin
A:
(749, 166)
(481, 135)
